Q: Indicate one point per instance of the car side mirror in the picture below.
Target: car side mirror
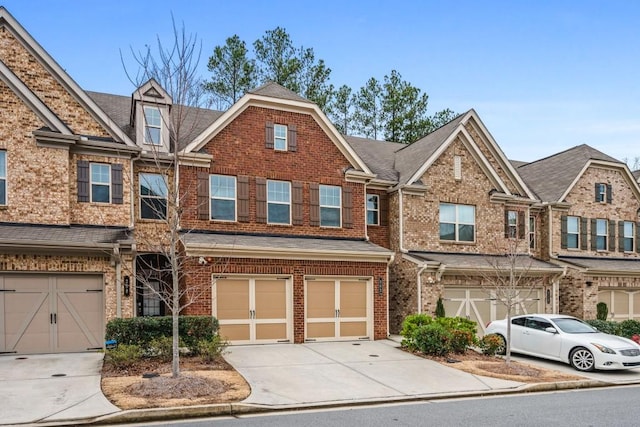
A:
(551, 330)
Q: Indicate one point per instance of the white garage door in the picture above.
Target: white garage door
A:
(253, 309)
(41, 313)
(338, 309)
(622, 304)
(481, 306)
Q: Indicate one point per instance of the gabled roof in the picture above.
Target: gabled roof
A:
(378, 155)
(272, 95)
(553, 177)
(8, 22)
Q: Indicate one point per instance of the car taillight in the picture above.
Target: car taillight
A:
(487, 325)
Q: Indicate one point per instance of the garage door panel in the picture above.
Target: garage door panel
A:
(321, 299)
(232, 299)
(353, 329)
(353, 299)
(271, 299)
(271, 331)
(321, 330)
(621, 303)
(235, 332)
(78, 319)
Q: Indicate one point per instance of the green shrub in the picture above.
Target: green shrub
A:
(433, 339)
(439, 308)
(461, 340)
(143, 330)
(161, 347)
(629, 328)
(458, 323)
(123, 356)
(606, 326)
(410, 325)
(491, 344)
(212, 349)
(602, 311)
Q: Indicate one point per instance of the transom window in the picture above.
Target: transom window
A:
(100, 183)
(3, 177)
(223, 197)
(278, 202)
(602, 235)
(153, 196)
(628, 236)
(330, 206)
(573, 232)
(152, 125)
(457, 222)
(373, 209)
(280, 137)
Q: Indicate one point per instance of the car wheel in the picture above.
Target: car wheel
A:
(502, 349)
(582, 359)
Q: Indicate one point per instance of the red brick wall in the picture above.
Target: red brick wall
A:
(200, 275)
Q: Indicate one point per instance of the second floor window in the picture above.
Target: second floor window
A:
(628, 236)
(457, 222)
(3, 177)
(532, 232)
(280, 137)
(153, 196)
(330, 206)
(152, 126)
(573, 232)
(373, 209)
(512, 224)
(602, 227)
(604, 193)
(100, 183)
(223, 197)
(278, 202)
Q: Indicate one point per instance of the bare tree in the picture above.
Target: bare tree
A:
(162, 273)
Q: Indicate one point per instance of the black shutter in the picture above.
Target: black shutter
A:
(384, 209)
(297, 208)
(597, 192)
(261, 200)
(583, 233)
(314, 205)
(563, 232)
(83, 181)
(292, 140)
(609, 193)
(612, 236)
(243, 198)
(637, 242)
(620, 236)
(347, 207)
(268, 135)
(117, 196)
(203, 195)
(521, 227)
(506, 224)
(594, 236)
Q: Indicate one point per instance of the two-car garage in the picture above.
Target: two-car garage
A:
(51, 313)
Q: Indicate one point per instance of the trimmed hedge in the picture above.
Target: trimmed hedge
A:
(142, 331)
(438, 336)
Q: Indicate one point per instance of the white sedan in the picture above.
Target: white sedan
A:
(569, 340)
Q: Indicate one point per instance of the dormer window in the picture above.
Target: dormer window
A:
(152, 126)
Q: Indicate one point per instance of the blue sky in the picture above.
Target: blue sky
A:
(543, 75)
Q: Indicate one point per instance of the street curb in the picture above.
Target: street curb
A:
(239, 408)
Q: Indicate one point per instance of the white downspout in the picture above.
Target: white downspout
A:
(419, 281)
(401, 222)
(550, 231)
(391, 259)
(366, 223)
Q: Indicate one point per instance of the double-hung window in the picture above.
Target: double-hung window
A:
(223, 197)
(100, 183)
(602, 235)
(573, 232)
(457, 222)
(373, 209)
(532, 232)
(153, 196)
(152, 126)
(628, 236)
(278, 202)
(280, 137)
(3, 178)
(330, 206)
(512, 224)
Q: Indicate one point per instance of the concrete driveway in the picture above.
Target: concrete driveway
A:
(286, 375)
(51, 388)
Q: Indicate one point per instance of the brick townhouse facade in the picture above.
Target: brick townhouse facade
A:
(293, 232)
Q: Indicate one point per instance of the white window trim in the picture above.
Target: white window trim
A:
(278, 202)
(605, 235)
(3, 178)
(457, 223)
(512, 226)
(164, 178)
(632, 237)
(234, 198)
(92, 183)
(377, 209)
(577, 233)
(339, 207)
(532, 232)
(602, 192)
(276, 138)
(146, 125)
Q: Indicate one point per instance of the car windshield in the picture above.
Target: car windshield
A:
(574, 326)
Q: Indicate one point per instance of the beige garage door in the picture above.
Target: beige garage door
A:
(42, 313)
(253, 310)
(481, 306)
(337, 309)
(622, 304)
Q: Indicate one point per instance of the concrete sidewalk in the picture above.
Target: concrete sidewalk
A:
(51, 388)
(340, 372)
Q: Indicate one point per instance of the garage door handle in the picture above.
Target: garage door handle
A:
(53, 318)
